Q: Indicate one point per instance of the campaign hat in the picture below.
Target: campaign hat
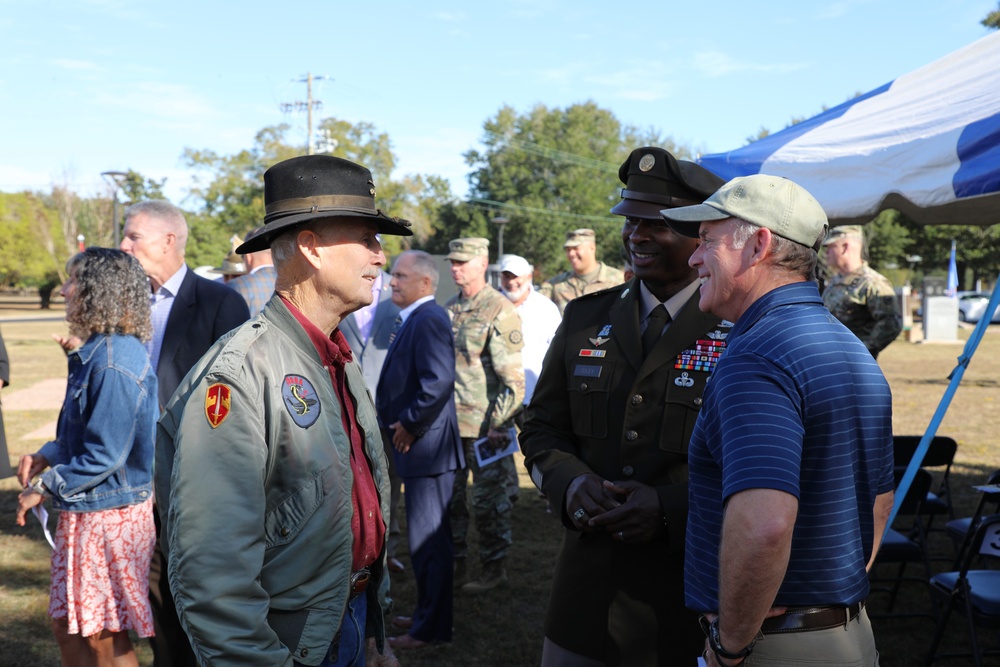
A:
(232, 265)
(313, 187)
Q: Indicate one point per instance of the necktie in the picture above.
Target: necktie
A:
(657, 319)
(398, 322)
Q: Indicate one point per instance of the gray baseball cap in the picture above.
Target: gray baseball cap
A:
(776, 203)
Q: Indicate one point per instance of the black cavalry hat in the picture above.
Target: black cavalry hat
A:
(318, 186)
(654, 179)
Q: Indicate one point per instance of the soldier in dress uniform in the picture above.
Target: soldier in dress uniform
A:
(607, 431)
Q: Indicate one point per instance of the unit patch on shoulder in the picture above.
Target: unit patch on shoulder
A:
(300, 400)
(217, 403)
(515, 336)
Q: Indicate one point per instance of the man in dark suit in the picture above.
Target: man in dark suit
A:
(416, 412)
(368, 331)
(189, 313)
(607, 430)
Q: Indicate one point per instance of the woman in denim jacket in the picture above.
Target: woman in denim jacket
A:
(100, 465)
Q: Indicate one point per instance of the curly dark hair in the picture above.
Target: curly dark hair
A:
(111, 294)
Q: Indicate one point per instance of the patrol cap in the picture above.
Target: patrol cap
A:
(462, 250)
(515, 264)
(845, 232)
(579, 236)
(655, 179)
(232, 265)
(782, 206)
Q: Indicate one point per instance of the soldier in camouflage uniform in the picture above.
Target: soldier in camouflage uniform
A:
(489, 390)
(587, 275)
(857, 295)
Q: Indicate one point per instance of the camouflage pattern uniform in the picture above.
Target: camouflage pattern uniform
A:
(865, 302)
(565, 287)
(489, 389)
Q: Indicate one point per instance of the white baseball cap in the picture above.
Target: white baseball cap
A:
(515, 264)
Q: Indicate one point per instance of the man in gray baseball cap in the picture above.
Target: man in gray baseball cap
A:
(794, 438)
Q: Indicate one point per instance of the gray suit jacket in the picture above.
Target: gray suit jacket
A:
(371, 355)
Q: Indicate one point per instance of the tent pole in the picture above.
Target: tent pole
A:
(956, 378)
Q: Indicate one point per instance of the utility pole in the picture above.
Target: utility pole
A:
(308, 105)
(116, 179)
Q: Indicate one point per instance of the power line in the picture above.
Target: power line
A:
(306, 106)
(557, 155)
(489, 204)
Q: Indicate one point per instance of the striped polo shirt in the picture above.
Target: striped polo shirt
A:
(796, 404)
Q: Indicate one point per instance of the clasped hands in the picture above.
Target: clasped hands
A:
(629, 510)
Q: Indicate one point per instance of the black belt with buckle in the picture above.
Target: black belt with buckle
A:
(803, 619)
(359, 581)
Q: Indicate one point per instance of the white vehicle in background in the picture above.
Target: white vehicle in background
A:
(972, 307)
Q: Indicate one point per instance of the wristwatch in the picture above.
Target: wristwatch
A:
(715, 642)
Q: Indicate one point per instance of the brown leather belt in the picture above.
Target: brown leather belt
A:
(359, 581)
(803, 619)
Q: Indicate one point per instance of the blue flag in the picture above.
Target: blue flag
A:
(952, 290)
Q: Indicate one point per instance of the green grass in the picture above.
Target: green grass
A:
(504, 627)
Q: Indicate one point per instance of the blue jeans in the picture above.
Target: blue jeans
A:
(348, 646)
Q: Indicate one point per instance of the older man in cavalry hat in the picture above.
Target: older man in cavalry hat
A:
(271, 477)
(607, 430)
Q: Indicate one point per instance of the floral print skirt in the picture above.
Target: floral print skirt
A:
(100, 570)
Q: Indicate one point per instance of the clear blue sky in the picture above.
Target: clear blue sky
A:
(93, 85)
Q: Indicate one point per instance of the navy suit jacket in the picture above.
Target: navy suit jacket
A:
(417, 388)
(203, 311)
(371, 355)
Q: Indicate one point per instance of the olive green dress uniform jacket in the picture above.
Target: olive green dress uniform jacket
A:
(623, 418)
(257, 509)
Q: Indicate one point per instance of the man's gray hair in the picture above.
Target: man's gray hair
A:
(788, 255)
(164, 211)
(423, 265)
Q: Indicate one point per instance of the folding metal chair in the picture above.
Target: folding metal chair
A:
(905, 546)
(940, 455)
(974, 593)
(959, 530)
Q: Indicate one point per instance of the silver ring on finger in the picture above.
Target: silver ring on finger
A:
(580, 514)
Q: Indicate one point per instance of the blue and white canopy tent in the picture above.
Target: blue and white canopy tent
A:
(927, 144)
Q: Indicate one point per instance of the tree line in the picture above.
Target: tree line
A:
(547, 171)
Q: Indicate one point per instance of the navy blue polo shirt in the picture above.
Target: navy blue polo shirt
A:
(796, 404)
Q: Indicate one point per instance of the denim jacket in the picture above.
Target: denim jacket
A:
(102, 457)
